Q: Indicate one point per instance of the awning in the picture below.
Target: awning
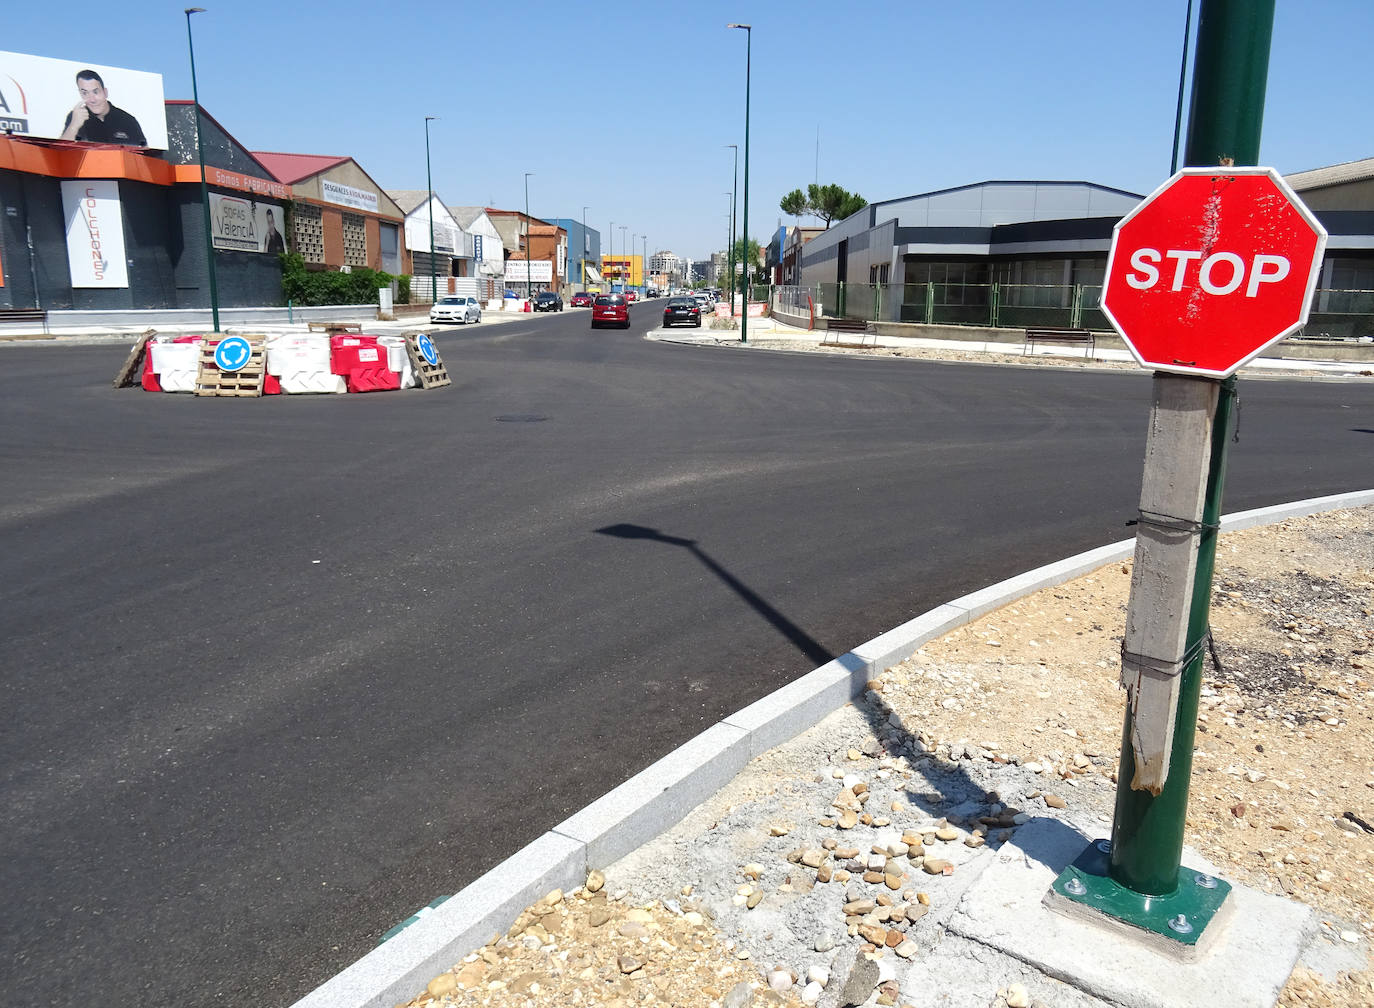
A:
(593, 277)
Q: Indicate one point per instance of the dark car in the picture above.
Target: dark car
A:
(581, 300)
(547, 301)
(610, 308)
(681, 309)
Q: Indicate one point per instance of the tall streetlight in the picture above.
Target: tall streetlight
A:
(610, 246)
(429, 184)
(730, 249)
(204, 190)
(529, 286)
(582, 276)
(625, 266)
(748, 47)
(644, 266)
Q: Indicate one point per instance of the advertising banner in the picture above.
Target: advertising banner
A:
(540, 271)
(358, 199)
(64, 100)
(245, 225)
(95, 233)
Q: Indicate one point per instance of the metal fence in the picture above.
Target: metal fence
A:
(1336, 314)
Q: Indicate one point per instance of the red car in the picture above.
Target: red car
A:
(608, 308)
(581, 300)
(631, 295)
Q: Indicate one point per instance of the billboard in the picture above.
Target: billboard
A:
(42, 97)
(95, 233)
(245, 225)
(539, 271)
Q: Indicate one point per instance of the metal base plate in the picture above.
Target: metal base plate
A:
(1181, 916)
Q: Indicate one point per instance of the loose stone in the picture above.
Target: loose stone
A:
(596, 880)
(907, 949)
(1054, 801)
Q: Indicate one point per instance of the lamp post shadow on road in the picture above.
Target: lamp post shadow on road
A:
(805, 643)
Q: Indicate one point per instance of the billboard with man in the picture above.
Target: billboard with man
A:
(87, 102)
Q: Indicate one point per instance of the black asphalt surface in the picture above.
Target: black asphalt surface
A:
(278, 672)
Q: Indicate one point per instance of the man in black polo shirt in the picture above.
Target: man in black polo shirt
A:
(97, 121)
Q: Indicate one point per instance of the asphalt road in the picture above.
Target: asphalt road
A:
(277, 672)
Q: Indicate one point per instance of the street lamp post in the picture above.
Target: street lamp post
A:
(204, 190)
(606, 259)
(748, 48)
(582, 276)
(624, 267)
(429, 184)
(529, 286)
(644, 264)
(730, 249)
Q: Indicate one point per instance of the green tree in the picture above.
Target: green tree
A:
(794, 203)
(826, 202)
(750, 253)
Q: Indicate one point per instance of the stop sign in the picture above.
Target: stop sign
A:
(1212, 267)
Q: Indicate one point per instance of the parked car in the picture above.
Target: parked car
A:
(581, 300)
(608, 308)
(456, 308)
(631, 295)
(547, 301)
(681, 309)
(707, 303)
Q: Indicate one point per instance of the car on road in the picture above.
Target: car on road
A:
(456, 308)
(707, 303)
(631, 295)
(681, 310)
(610, 309)
(581, 299)
(548, 301)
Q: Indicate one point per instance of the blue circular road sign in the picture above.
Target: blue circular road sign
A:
(232, 353)
(427, 350)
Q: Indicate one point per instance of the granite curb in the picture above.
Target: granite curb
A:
(658, 797)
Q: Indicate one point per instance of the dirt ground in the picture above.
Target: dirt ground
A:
(1282, 793)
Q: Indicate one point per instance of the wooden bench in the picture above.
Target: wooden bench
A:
(335, 327)
(1069, 337)
(25, 315)
(842, 328)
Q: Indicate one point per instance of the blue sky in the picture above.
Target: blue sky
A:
(626, 110)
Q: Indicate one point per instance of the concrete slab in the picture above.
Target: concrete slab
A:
(900, 643)
(1249, 962)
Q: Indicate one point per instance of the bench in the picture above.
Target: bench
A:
(25, 315)
(335, 327)
(1071, 337)
(843, 327)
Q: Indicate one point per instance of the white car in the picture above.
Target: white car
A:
(456, 308)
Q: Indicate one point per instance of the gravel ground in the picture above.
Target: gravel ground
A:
(853, 842)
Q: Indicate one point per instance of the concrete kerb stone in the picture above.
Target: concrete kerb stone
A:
(400, 968)
(662, 794)
(658, 796)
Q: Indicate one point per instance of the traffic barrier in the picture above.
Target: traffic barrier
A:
(174, 363)
(301, 365)
(398, 360)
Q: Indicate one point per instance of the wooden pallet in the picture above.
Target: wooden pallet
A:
(430, 375)
(247, 381)
(131, 372)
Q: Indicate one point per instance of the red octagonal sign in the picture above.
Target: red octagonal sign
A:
(1212, 267)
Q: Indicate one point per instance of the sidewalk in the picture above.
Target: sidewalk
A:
(768, 334)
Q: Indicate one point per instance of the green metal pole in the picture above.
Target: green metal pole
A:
(204, 190)
(748, 55)
(1224, 125)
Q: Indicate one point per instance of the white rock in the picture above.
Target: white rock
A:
(852, 779)
(818, 974)
(1350, 936)
(1018, 996)
(811, 993)
(780, 980)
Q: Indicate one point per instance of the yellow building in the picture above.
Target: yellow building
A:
(625, 270)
